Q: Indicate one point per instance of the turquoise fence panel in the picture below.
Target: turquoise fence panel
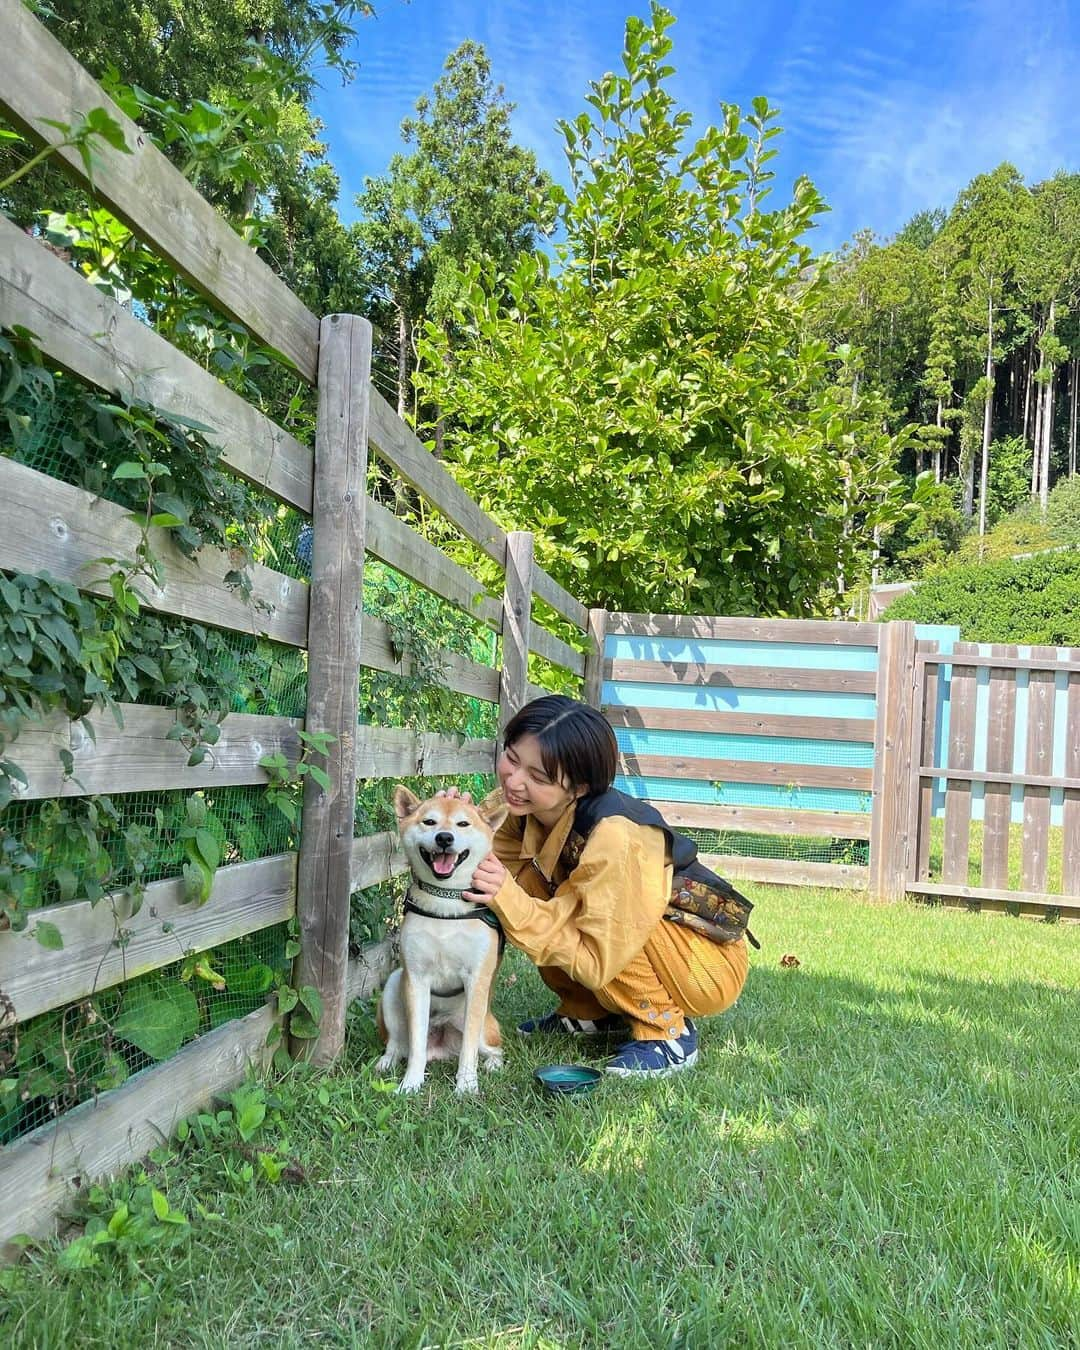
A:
(744, 699)
(768, 795)
(728, 652)
(722, 698)
(756, 749)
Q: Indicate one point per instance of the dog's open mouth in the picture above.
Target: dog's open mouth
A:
(444, 864)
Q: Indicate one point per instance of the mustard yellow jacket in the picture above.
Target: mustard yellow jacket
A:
(603, 910)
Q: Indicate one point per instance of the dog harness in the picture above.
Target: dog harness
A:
(481, 912)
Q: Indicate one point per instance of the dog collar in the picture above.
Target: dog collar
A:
(443, 892)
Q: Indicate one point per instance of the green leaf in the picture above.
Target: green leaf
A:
(312, 1001)
(208, 848)
(68, 882)
(161, 1205)
(254, 979)
(129, 469)
(79, 1255)
(302, 1027)
(272, 1167)
(287, 999)
(249, 1103)
(158, 1020)
(48, 935)
(101, 123)
(320, 775)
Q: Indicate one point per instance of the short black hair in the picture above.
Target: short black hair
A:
(577, 745)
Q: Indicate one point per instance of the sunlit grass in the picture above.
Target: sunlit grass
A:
(1055, 851)
(879, 1147)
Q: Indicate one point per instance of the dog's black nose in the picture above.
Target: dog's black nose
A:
(445, 840)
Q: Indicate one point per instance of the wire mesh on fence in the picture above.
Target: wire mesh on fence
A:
(138, 838)
(275, 534)
(787, 847)
(69, 1055)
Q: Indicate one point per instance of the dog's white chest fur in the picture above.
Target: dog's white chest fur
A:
(443, 952)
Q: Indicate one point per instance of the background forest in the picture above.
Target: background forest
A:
(650, 367)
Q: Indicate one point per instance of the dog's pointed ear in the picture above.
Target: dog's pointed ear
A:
(405, 802)
(493, 809)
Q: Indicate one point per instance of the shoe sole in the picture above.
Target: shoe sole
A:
(665, 1072)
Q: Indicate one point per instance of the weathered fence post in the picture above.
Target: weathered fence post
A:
(891, 825)
(334, 621)
(516, 620)
(594, 662)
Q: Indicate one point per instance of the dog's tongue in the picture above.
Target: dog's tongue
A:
(442, 864)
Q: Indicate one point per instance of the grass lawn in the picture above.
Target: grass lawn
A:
(880, 1147)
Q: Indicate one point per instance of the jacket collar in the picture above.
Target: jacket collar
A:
(547, 847)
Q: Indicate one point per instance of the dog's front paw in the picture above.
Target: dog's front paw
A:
(493, 1063)
(385, 1062)
(466, 1083)
(411, 1083)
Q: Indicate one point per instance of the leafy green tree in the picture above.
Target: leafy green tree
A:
(464, 194)
(648, 400)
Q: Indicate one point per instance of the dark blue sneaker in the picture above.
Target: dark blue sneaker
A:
(553, 1022)
(655, 1059)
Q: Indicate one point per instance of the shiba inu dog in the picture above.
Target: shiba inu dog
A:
(437, 1003)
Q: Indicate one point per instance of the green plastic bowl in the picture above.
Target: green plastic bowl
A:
(564, 1079)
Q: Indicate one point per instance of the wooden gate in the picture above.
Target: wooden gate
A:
(1008, 785)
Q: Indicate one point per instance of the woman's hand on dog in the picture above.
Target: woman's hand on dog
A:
(487, 879)
(454, 792)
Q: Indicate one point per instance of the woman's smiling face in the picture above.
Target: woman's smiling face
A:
(528, 788)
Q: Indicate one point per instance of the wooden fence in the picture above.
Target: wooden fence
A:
(49, 525)
(764, 728)
(773, 734)
(1010, 837)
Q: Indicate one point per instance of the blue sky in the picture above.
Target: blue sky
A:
(889, 107)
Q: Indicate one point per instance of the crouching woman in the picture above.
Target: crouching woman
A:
(581, 880)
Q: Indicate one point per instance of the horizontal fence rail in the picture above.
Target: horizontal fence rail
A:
(395, 752)
(698, 674)
(50, 526)
(747, 771)
(91, 336)
(824, 631)
(40, 83)
(245, 897)
(761, 820)
(139, 757)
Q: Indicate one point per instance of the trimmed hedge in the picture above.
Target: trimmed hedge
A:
(1030, 600)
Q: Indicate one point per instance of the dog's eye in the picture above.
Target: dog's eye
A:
(463, 824)
(431, 821)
